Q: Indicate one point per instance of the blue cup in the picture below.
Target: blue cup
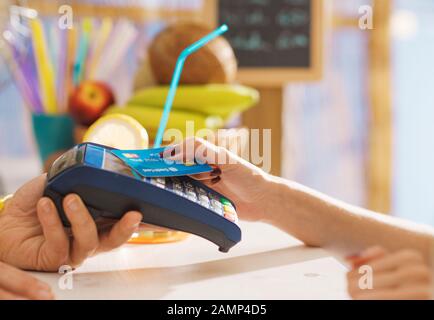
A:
(53, 133)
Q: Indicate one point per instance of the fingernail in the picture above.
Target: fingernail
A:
(73, 203)
(136, 225)
(45, 205)
(215, 172)
(215, 180)
(353, 256)
(42, 286)
(367, 253)
(45, 294)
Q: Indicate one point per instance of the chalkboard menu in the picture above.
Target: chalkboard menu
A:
(269, 33)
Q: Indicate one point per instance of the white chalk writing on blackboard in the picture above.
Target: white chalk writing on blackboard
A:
(268, 33)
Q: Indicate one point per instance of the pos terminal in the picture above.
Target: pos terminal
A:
(109, 188)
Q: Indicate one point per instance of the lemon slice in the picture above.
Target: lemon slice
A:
(118, 131)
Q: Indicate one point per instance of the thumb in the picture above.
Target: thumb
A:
(26, 197)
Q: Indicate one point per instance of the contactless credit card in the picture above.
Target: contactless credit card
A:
(150, 163)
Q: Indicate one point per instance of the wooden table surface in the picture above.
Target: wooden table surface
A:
(267, 264)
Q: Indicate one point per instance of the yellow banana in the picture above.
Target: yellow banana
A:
(149, 117)
(213, 99)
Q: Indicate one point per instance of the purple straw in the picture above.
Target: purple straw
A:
(61, 71)
(24, 82)
(30, 72)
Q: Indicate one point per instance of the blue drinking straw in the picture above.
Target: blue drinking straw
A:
(177, 74)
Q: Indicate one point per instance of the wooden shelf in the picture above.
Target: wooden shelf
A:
(138, 14)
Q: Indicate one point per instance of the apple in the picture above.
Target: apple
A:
(89, 101)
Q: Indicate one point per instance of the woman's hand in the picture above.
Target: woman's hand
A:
(401, 275)
(32, 236)
(232, 176)
(17, 285)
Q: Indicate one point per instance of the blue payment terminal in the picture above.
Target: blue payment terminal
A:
(109, 188)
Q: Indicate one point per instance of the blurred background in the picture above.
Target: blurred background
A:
(350, 107)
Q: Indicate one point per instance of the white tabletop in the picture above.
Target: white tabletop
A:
(267, 264)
